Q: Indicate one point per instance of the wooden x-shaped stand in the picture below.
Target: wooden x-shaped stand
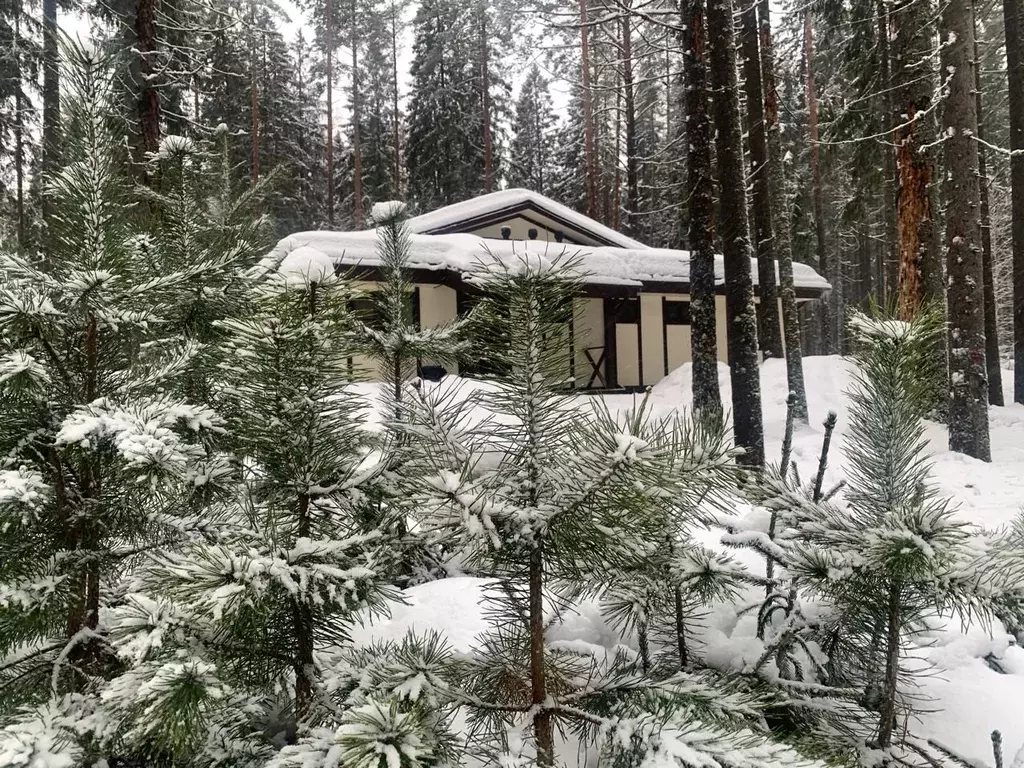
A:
(595, 365)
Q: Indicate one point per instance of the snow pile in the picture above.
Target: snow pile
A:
(460, 255)
(307, 264)
(975, 681)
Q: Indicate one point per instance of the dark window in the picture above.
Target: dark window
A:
(626, 310)
(677, 312)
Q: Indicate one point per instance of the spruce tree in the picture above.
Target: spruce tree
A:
(443, 155)
(530, 158)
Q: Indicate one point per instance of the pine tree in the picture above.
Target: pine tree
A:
(107, 458)
(571, 501)
(1013, 22)
(530, 158)
(568, 186)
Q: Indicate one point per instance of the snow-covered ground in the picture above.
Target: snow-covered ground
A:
(963, 699)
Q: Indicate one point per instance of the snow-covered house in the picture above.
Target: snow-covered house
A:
(633, 323)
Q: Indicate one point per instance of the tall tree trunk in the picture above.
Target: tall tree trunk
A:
(968, 385)
(396, 117)
(485, 101)
(149, 97)
(783, 241)
(629, 104)
(328, 55)
(589, 146)
(254, 98)
(707, 399)
(1015, 85)
(888, 261)
(19, 130)
(357, 147)
(824, 263)
(920, 268)
(769, 331)
(51, 99)
(741, 316)
(995, 376)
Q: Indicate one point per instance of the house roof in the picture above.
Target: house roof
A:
(454, 259)
(499, 206)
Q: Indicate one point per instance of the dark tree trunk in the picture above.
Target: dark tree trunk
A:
(396, 117)
(629, 105)
(1015, 84)
(920, 269)
(741, 316)
(888, 261)
(995, 376)
(51, 98)
(357, 146)
(149, 97)
(824, 263)
(589, 144)
(19, 130)
(328, 56)
(894, 629)
(707, 399)
(769, 331)
(783, 242)
(968, 384)
(254, 98)
(485, 102)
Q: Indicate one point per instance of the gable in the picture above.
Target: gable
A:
(520, 210)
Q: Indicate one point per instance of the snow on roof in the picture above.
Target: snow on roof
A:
(496, 202)
(462, 255)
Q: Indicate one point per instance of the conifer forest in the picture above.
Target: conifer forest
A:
(221, 546)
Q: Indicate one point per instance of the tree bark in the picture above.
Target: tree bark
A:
(707, 398)
(894, 625)
(769, 331)
(485, 102)
(357, 148)
(888, 260)
(589, 148)
(396, 117)
(542, 725)
(920, 269)
(51, 99)
(19, 131)
(968, 382)
(629, 104)
(328, 55)
(1015, 85)
(995, 377)
(824, 263)
(254, 98)
(783, 241)
(741, 316)
(149, 97)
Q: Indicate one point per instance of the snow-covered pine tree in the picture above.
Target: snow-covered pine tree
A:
(885, 558)
(103, 459)
(551, 499)
(530, 159)
(258, 610)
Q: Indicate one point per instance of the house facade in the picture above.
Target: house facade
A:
(632, 321)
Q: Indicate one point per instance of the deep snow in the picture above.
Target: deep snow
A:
(963, 698)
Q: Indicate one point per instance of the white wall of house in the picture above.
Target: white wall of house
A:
(664, 347)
